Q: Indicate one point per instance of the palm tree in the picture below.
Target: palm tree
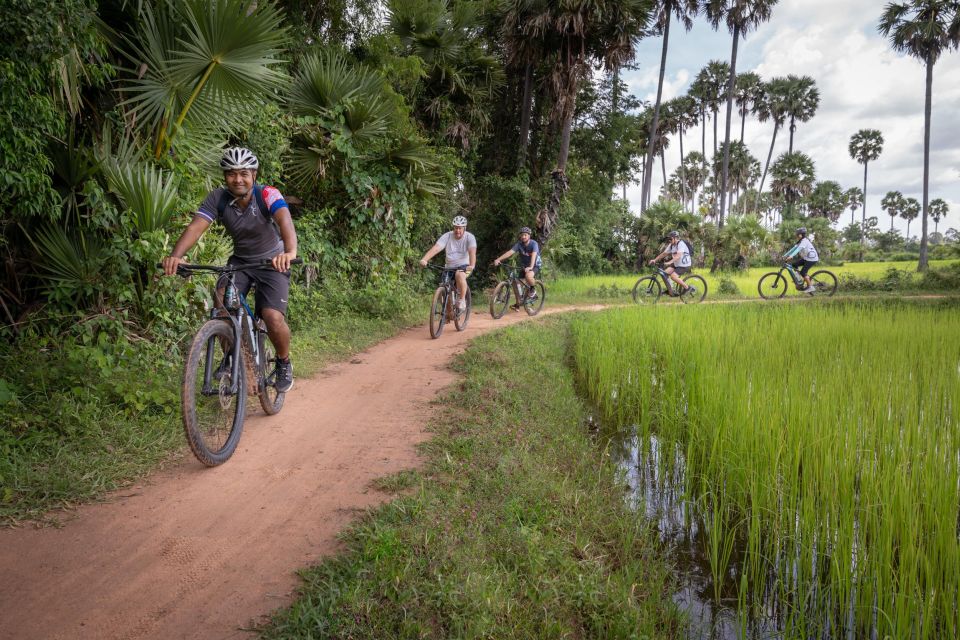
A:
(938, 211)
(695, 174)
(866, 146)
(742, 167)
(700, 93)
(740, 16)
(772, 105)
(910, 212)
(718, 74)
(923, 29)
(854, 200)
(684, 110)
(802, 100)
(663, 12)
(575, 34)
(892, 203)
(749, 91)
(194, 60)
(827, 200)
(793, 177)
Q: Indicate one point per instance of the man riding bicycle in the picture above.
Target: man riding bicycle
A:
(806, 257)
(460, 249)
(680, 261)
(530, 262)
(259, 223)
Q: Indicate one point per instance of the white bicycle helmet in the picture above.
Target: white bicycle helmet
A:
(459, 221)
(238, 158)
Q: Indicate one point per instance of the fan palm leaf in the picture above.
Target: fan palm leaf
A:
(150, 198)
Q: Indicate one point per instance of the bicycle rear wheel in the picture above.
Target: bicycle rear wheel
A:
(533, 306)
(438, 313)
(825, 282)
(698, 294)
(500, 300)
(270, 399)
(772, 286)
(461, 318)
(647, 290)
(213, 405)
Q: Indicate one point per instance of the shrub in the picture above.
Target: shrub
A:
(728, 287)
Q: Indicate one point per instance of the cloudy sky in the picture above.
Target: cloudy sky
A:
(863, 85)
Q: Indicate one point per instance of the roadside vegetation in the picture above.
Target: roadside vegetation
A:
(516, 525)
(826, 498)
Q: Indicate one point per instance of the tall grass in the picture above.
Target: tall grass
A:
(825, 437)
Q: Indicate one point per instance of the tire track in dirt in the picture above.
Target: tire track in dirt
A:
(208, 553)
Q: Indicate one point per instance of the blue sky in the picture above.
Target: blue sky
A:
(862, 82)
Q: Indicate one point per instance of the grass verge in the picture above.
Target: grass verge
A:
(516, 527)
(79, 434)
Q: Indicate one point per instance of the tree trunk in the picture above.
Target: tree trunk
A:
(648, 174)
(663, 167)
(716, 113)
(863, 213)
(773, 141)
(724, 174)
(703, 131)
(683, 177)
(793, 126)
(743, 123)
(923, 265)
(548, 216)
(526, 103)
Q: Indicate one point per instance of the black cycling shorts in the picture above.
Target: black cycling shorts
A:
(680, 270)
(449, 272)
(273, 288)
(803, 266)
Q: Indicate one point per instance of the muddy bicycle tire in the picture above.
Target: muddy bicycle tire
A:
(438, 314)
(271, 400)
(533, 308)
(461, 318)
(212, 414)
(500, 300)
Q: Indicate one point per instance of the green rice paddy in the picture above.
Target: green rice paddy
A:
(820, 449)
(570, 289)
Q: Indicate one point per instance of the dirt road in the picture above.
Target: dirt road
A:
(206, 553)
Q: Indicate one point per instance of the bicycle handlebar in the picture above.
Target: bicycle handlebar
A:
(437, 267)
(186, 269)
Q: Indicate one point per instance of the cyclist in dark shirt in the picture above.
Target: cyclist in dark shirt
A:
(530, 262)
(257, 235)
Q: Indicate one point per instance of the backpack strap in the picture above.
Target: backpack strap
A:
(226, 197)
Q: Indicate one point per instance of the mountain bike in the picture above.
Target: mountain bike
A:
(773, 285)
(444, 306)
(648, 289)
(230, 352)
(514, 283)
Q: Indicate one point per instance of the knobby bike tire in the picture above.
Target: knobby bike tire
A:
(212, 417)
(772, 286)
(700, 285)
(270, 399)
(647, 290)
(461, 318)
(825, 282)
(438, 314)
(500, 300)
(533, 307)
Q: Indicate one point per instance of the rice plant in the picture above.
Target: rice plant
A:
(832, 433)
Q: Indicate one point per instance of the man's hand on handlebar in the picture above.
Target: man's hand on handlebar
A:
(170, 265)
(283, 261)
(496, 262)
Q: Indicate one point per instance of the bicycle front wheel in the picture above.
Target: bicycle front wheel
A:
(214, 403)
(270, 399)
(772, 286)
(461, 318)
(438, 314)
(647, 290)
(500, 300)
(824, 282)
(533, 306)
(698, 291)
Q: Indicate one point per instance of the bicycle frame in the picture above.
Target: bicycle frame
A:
(795, 276)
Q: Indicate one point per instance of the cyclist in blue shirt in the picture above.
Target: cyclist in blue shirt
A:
(806, 256)
(530, 262)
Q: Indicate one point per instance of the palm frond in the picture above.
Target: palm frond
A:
(150, 197)
(73, 260)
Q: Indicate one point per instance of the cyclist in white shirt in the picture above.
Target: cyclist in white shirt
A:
(460, 249)
(806, 256)
(680, 261)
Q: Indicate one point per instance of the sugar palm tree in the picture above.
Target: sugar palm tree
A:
(695, 174)
(854, 201)
(195, 59)
(910, 212)
(892, 203)
(740, 16)
(866, 146)
(802, 100)
(923, 29)
(684, 110)
(742, 167)
(827, 200)
(663, 13)
(772, 105)
(938, 211)
(748, 92)
(793, 178)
